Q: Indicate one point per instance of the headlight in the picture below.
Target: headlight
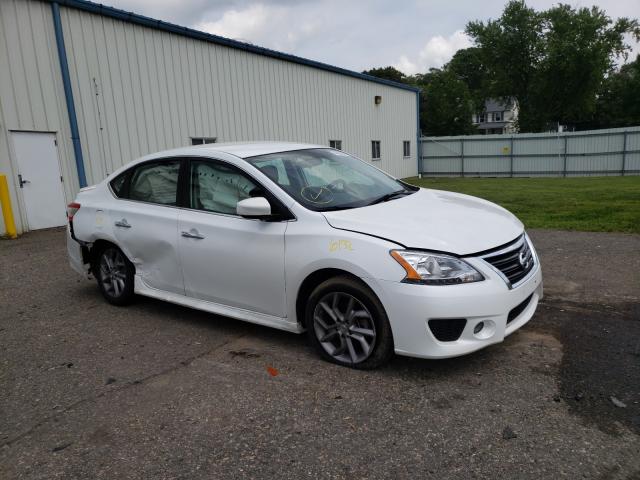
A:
(435, 269)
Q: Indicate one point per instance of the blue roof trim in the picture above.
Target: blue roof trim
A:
(207, 37)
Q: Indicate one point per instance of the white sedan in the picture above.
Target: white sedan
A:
(307, 238)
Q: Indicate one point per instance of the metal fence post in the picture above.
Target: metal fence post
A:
(624, 153)
(511, 157)
(564, 168)
(419, 154)
(462, 157)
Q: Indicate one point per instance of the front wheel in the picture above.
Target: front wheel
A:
(115, 274)
(347, 324)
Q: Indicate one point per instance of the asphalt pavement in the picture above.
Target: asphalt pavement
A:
(154, 390)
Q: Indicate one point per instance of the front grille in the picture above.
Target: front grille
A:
(447, 329)
(518, 309)
(515, 261)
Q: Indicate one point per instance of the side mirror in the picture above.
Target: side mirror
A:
(256, 207)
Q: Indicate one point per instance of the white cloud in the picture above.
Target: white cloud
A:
(240, 24)
(355, 34)
(275, 26)
(435, 53)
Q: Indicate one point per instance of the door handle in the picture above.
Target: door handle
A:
(22, 181)
(193, 233)
(122, 223)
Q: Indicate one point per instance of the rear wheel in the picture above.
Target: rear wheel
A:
(348, 325)
(115, 274)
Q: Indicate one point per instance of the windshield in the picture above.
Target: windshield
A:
(325, 179)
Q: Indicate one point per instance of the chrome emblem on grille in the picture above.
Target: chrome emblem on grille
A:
(522, 258)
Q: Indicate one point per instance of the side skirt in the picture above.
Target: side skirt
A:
(237, 313)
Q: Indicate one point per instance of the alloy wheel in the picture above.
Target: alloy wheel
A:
(344, 327)
(113, 272)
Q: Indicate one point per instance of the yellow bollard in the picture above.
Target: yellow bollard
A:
(7, 213)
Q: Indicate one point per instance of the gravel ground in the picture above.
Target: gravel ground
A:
(88, 390)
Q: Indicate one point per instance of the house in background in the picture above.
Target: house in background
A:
(498, 117)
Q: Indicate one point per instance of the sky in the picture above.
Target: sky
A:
(411, 35)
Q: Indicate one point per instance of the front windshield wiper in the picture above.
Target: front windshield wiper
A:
(384, 198)
(391, 196)
(336, 207)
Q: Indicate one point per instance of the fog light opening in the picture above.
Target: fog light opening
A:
(484, 329)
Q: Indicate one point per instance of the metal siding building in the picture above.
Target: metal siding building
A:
(140, 85)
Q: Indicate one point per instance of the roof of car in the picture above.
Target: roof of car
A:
(242, 149)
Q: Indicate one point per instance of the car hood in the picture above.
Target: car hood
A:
(433, 220)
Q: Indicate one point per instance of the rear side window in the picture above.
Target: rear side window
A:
(118, 184)
(155, 182)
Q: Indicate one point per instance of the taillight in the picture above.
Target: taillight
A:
(72, 209)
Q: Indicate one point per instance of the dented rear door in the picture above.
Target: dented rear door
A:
(145, 224)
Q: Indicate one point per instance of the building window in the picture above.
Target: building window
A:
(375, 149)
(337, 144)
(202, 140)
(482, 118)
(497, 116)
(406, 148)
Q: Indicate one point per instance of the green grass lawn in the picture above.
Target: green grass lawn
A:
(596, 204)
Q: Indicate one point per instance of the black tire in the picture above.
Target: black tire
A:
(367, 314)
(116, 284)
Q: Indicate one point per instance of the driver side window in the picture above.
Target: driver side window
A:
(217, 188)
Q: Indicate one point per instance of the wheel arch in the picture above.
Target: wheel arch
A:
(100, 244)
(314, 279)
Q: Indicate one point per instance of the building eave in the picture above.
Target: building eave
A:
(149, 22)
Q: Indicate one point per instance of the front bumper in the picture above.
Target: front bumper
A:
(409, 308)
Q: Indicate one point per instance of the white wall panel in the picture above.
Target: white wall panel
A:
(157, 89)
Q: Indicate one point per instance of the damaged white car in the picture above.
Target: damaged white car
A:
(307, 238)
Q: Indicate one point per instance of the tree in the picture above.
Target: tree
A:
(580, 49)
(388, 73)
(468, 65)
(447, 105)
(553, 62)
(511, 48)
(618, 104)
